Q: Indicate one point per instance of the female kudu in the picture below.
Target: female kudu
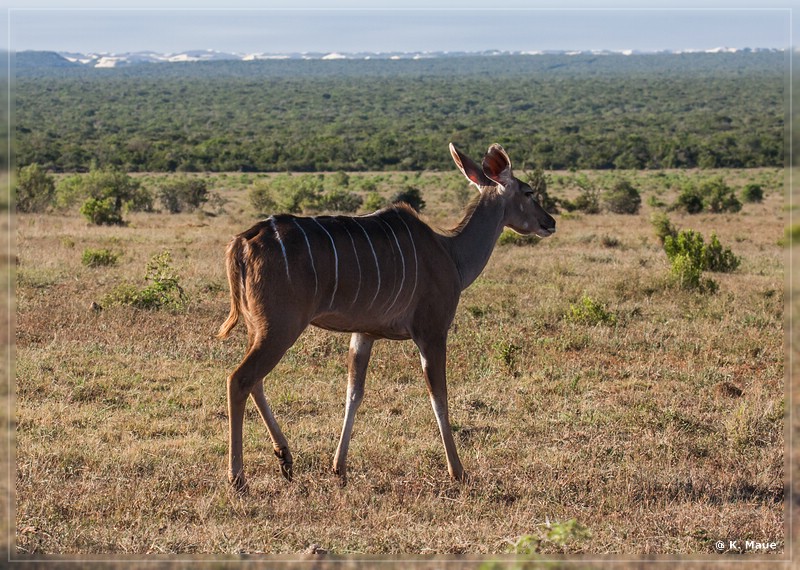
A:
(385, 275)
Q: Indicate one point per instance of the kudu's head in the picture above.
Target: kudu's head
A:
(523, 213)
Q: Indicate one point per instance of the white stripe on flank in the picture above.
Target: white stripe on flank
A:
(416, 261)
(377, 266)
(336, 260)
(358, 263)
(311, 255)
(402, 261)
(283, 248)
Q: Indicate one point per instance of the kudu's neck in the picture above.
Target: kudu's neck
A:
(472, 241)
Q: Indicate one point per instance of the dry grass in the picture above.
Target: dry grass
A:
(660, 434)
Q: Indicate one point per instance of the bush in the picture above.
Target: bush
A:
(162, 292)
(588, 201)
(262, 198)
(102, 211)
(662, 226)
(35, 189)
(107, 194)
(590, 312)
(712, 194)
(689, 200)
(752, 193)
(690, 256)
(297, 194)
(411, 196)
(373, 202)
(711, 257)
(719, 197)
(622, 198)
(99, 257)
(340, 200)
(687, 272)
(183, 194)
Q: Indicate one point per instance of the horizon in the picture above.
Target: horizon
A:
(401, 31)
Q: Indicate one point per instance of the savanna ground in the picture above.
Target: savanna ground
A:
(656, 435)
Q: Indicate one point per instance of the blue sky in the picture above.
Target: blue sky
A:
(433, 26)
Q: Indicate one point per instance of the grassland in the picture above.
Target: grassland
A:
(659, 434)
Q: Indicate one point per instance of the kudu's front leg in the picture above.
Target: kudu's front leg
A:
(357, 361)
(434, 361)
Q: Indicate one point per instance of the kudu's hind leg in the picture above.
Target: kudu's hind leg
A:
(357, 361)
(279, 443)
(247, 379)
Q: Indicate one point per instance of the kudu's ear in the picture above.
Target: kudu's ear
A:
(469, 169)
(497, 165)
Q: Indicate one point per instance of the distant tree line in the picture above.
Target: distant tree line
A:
(676, 113)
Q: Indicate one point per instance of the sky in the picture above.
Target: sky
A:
(437, 25)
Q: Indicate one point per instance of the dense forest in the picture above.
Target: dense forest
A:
(555, 111)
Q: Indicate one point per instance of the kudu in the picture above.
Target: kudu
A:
(384, 275)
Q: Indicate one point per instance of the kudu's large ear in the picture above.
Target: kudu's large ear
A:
(468, 168)
(497, 165)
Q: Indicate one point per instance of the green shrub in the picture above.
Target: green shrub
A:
(590, 312)
(712, 194)
(262, 197)
(106, 195)
(689, 256)
(662, 226)
(102, 211)
(622, 198)
(411, 196)
(689, 200)
(588, 201)
(340, 200)
(35, 189)
(718, 196)
(296, 194)
(711, 257)
(183, 194)
(752, 193)
(99, 257)
(373, 202)
(163, 290)
(719, 259)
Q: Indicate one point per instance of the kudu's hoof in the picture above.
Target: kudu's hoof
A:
(238, 483)
(285, 459)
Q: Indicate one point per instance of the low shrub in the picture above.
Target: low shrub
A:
(708, 257)
(590, 312)
(411, 196)
(622, 198)
(102, 211)
(662, 226)
(752, 193)
(34, 189)
(99, 257)
(712, 194)
(163, 290)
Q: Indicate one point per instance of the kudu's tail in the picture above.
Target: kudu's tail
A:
(235, 267)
